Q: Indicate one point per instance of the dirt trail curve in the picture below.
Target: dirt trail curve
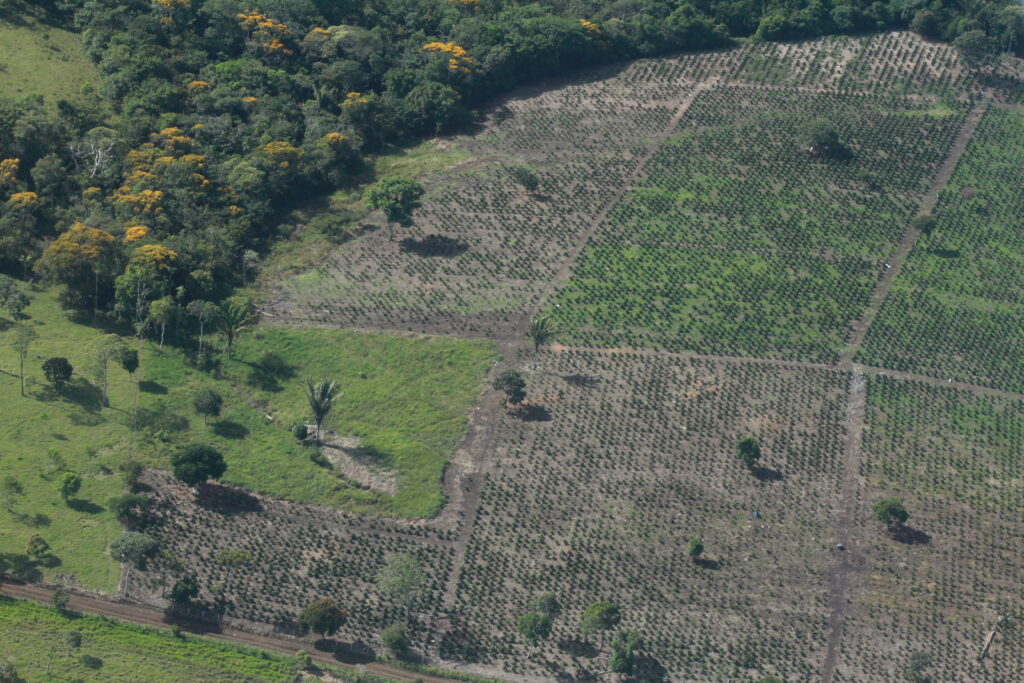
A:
(151, 616)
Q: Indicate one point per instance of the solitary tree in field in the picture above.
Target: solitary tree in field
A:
(12, 488)
(184, 590)
(321, 397)
(204, 312)
(72, 641)
(102, 351)
(395, 638)
(402, 579)
(512, 384)
(546, 603)
(36, 546)
(748, 451)
(694, 549)
(398, 198)
(197, 464)
(323, 617)
(233, 317)
(540, 331)
(21, 341)
(58, 372)
(599, 618)
(820, 137)
(891, 512)
(129, 361)
(925, 223)
(60, 599)
(70, 483)
(624, 650)
(207, 403)
(533, 627)
(525, 177)
(134, 547)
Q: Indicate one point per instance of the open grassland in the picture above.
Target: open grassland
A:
(940, 589)
(39, 59)
(598, 503)
(404, 401)
(33, 638)
(957, 307)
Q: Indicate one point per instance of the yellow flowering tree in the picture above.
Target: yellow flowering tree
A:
(79, 259)
(458, 59)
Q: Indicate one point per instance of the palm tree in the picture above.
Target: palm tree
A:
(234, 316)
(540, 331)
(321, 397)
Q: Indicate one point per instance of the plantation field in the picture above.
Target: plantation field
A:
(404, 400)
(956, 461)
(33, 638)
(957, 308)
(44, 60)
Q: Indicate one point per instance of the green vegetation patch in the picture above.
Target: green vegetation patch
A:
(41, 59)
(741, 239)
(404, 398)
(957, 308)
(33, 638)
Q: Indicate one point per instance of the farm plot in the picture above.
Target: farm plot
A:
(598, 503)
(739, 241)
(955, 460)
(295, 554)
(483, 249)
(957, 307)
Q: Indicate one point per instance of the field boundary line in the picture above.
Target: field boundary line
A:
(859, 328)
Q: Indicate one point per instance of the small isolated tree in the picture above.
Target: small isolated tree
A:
(60, 599)
(395, 638)
(546, 603)
(924, 223)
(694, 549)
(36, 546)
(600, 617)
(398, 198)
(134, 547)
(72, 641)
(234, 317)
(891, 512)
(58, 372)
(533, 627)
(524, 176)
(321, 397)
(917, 667)
(21, 341)
(748, 451)
(402, 579)
(323, 617)
(513, 385)
(540, 331)
(198, 463)
(186, 589)
(9, 672)
(129, 361)
(129, 507)
(102, 351)
(70, 483)
(207, 403)
(820, 137)
(624, 650)
(132, 471)
(11, 489)
(204, 312)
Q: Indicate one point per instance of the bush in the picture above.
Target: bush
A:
(300, 431)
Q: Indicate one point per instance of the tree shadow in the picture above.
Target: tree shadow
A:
(582, 381)
(151, 387)
(227, 429)
(574, 647)
(227, 500)
(267, 373)
(433, 245)
(707, 563)
(946, 253)
(910, 536)
(647, 668)
(21, 566)
(91, 662)
(766, 474)
(49, 560)
(529, 412)
(159, 417)
(83, 393)
(86, 506)
(37, 520)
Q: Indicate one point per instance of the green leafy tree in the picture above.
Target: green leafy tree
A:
(891, 512)
(58, 372)
(60, 599)
(134, 547)
(204, 312)
(102, 351)
(916, 670)
(21, 341)
(546, 603)
(395, 638)
(402, 579)
(524, 176)
(599, 618)
(72, 641)
(534, 627)
(820, 137)
(398, 198)
(208, 404)
(129, 507)
(70, 483)
(184, 590)
(748, 451)
(162, 312)
(9, 672)
(694, 549)
(978, 51)
(321, 396)
(36, 546)
(234, 317)
(129, 361)
(512, 384)
(323, 617)
(12, 488)
(624, 650)
(197, 464)
(541, 331)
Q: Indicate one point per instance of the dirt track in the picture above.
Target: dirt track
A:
(149, 616)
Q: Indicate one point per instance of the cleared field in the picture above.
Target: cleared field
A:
(40, 59)
(955, 460)
(599, 502)
(403, 406)
(33, 638)
(957, 307)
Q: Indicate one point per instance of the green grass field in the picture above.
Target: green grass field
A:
(40, 59)
(405, 397)
(33, 638)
